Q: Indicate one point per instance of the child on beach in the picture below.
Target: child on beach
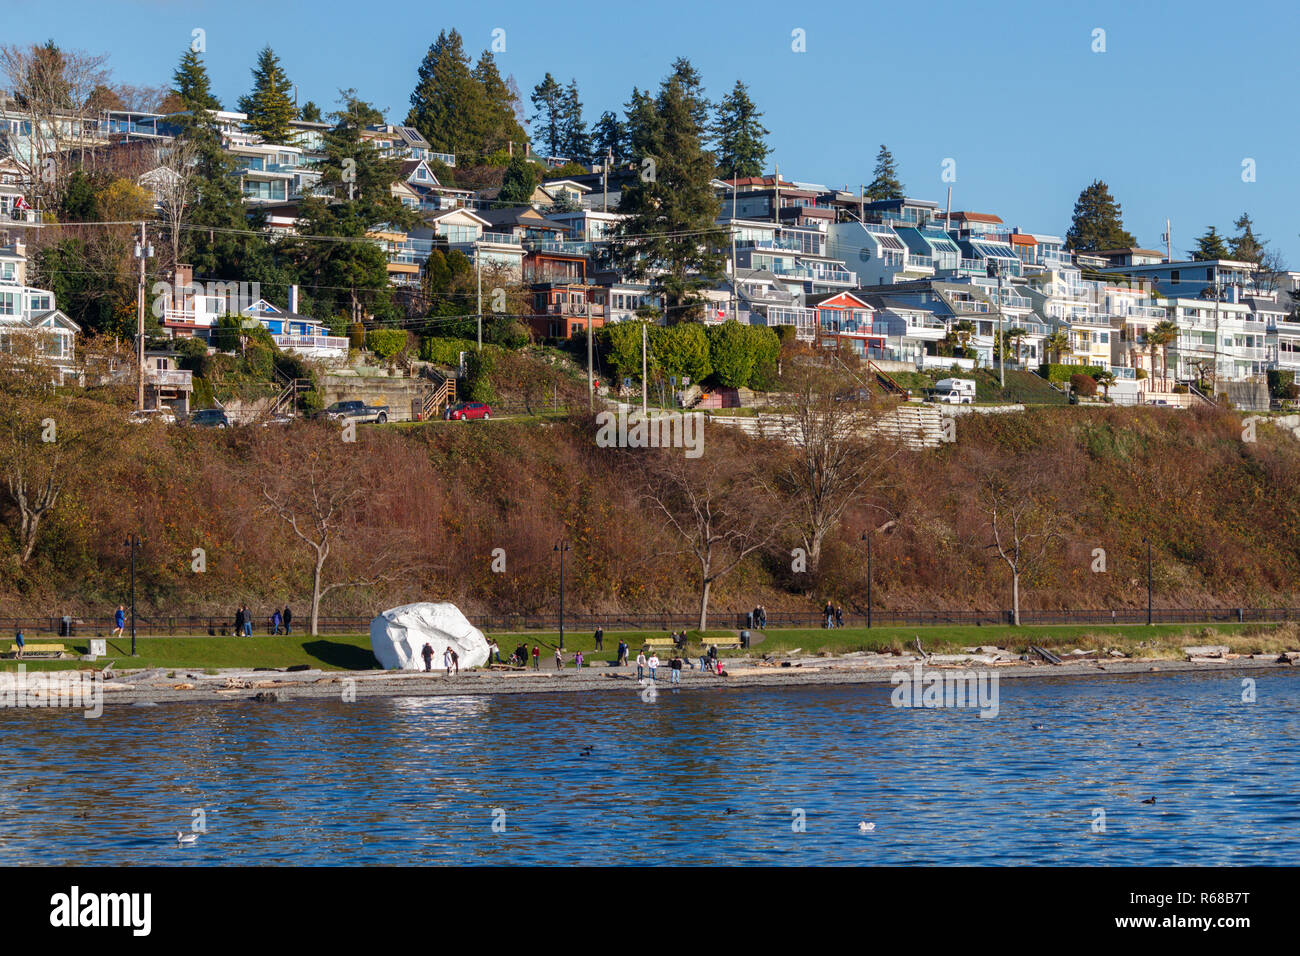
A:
(577, 661)
(653, 664)
(559, 660)
(640, 665)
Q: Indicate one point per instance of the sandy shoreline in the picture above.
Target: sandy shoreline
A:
(157, 687)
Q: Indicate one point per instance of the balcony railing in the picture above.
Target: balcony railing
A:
(169, 378)
(338, 343)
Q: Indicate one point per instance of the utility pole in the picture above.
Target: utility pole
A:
(735, 303)
(1218, 296)
(776, 201)
(604, 181)
(1002, 342)
(645, 383)
(1169, 242)
(142, 251)
(862, 203)
(478, 269)
(591, 382)
(866, 536)
(1148, 541)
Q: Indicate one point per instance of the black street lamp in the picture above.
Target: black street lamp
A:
(866, 536)
(132, 542)
(1148, 544)
(559, 549)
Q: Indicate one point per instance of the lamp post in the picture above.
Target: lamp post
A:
(1148, 544)
(866, 536)
(132, 542)
(559, 549)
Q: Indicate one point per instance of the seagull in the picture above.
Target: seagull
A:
(183, 838)
(866, 827)
(1152, 800)
(1038, 726)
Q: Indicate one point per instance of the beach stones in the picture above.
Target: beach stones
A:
(398, 635)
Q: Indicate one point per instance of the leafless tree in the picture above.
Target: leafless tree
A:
(55, 91)
(173, 183)
(714, 506)
(1022, 521)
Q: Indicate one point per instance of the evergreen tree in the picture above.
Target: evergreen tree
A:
(641, 131)
(608, 137)
(310, 112)
(670, 206)
(448, 104)
(192, 84)
(501, 124)
(356, 112)
(698, 106)
(1098, 222)
(549, 100)
(886, 184)
(269, 106)
(1210, 246)
(575, 143)
(741, 148)
(520, 181)
(1246, 246)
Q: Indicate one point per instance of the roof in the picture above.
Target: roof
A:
(977, 217)
(519, 216)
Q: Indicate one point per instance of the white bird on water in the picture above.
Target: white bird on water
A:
(186, 837)
(865, 827)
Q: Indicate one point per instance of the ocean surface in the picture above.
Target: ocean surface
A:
(766, 776)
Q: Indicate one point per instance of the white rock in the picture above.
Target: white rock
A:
(398, 635)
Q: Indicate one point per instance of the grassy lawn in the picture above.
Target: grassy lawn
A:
(352, 651)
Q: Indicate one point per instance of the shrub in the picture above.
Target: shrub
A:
(356, 336)
(1056, 373)
(478, 375)
(1180, 389)
(386, 342)
(1141, 373)
(445, 351)
(1083, 384)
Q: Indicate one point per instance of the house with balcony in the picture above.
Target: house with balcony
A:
(297, 333)
(798, 254)
(403, 142)
(32, 328)
(911, 331)
(561, 309)
(270, 173)
(758, 297)
(846, 322)
(188, 310)
(1226, 337)
(468, 232)
(624, 298)
(166, 384)
(1196, 277)
(876, 253)
(418, 188)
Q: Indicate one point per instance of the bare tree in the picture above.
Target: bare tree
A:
(714, 506)
(317, 485)
(55, 91)
(1023, 523)
(173, 184)
(840, 448)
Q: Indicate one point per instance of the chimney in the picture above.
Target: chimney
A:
(293, 298)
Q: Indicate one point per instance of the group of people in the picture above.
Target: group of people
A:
(450, 659)
(278, 623)
(758, 617)
(834, 615)
(648, 664)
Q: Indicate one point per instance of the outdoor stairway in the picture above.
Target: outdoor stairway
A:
(440, 397)
(287, 400)
(887, 383)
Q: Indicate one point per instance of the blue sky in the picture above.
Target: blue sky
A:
(1012, 92)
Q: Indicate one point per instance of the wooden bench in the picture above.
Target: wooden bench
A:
(659, 643)
(38, 651)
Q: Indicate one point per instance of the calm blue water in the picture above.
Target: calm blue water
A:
(416, 780)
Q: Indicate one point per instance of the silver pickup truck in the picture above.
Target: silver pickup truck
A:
(356, 411)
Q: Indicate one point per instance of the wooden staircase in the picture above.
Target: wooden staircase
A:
(287, 401)
(437, 398)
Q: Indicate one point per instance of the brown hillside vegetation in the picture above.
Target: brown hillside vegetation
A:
(430, 505)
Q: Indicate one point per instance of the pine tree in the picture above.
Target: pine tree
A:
(1098, 222)
(1246, 246)
(670, 205)
(310, 112)
(519, 182)
(575, 143)
(501, 124)
(641, 131)
(698, 105)
(192, 84)
(741, 148)
(608, 137)
(549, 101)
(886, 184)
(1210, 246)
(269, 106)
(448, 105)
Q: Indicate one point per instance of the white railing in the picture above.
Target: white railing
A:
(329, 342)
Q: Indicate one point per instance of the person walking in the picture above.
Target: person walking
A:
(537, 658)
(622, 653)
(248, 621)
(446, 660)
(119, 621)
(455, 661)
(640, 664)
(600, 638)
(494, 651)
(653, 664)
(829, 613)
(275, 622)
(577, 661)
(427, 653)
(676, 665)
(839, 616)
(287, 617)
(559, 660)
(19, 643)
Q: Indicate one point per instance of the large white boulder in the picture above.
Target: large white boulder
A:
(398, 635)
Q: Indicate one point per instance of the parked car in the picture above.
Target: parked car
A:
(144, 415)
(356, 411)
(210, 418)
(463, 411)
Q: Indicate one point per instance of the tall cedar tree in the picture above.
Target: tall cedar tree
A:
(1245, 246)
(698, 104)
(886, 184)
(549, 101)
(519, 182)
(352, 275)
(1210, 246)
(1098, 222)
(575, 141)
(192, 84)
(448, 105)
(608, 137)
(500, 125)
(741, 148)
(670, 205)
(269, 106)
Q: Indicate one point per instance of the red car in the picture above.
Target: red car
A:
(462, 411)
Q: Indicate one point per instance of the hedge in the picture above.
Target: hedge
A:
(1057, 374)
(445, 351)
